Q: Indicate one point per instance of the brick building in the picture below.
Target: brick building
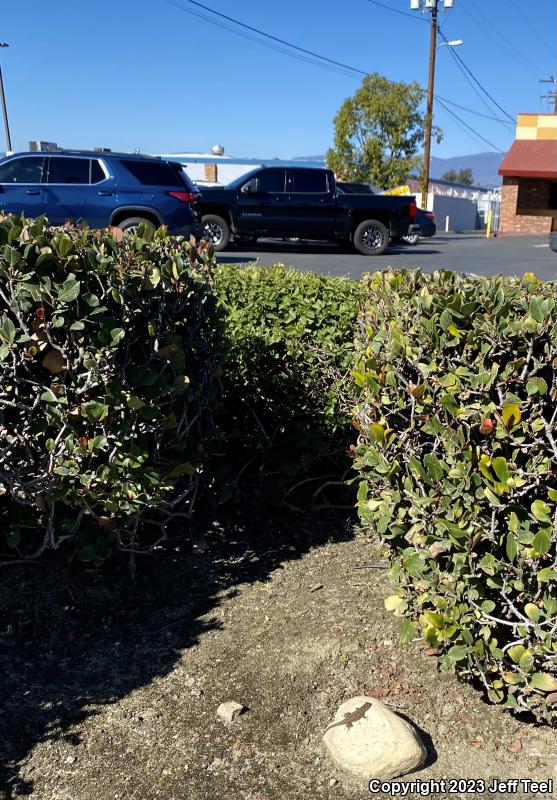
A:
(529, 170)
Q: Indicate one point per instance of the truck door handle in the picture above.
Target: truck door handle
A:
(104, 193)
(32, 191)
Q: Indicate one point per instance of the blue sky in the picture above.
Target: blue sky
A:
(145, 74)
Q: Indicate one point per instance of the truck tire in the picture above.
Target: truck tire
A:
(411, 238)
(216, 231)
(371, 237)
(131, 224)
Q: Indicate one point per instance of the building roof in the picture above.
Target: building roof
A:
(534, 158)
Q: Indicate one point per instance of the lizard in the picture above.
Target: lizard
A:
(351, 718)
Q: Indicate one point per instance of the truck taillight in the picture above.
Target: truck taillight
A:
(412, 209)
(184, 197)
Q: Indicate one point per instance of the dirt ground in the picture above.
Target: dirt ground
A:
(110, 689)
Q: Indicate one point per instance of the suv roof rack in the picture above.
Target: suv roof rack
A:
(105, 151)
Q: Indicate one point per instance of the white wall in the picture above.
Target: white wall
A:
(462, 213)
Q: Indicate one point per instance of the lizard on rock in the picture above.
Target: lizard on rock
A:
(351, 718)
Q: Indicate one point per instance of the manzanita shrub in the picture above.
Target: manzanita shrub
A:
(287, 385)
(457, 461)
(106, 381)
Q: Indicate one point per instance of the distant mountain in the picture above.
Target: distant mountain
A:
(484, 166)
(309, 158)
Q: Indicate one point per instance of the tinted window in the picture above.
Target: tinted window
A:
(155, 173)
(272, 180)
(68, 170)
(97, 172)
(309, 181)
(22, 170)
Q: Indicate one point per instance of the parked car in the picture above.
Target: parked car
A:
(302, 203)
(553, 241)
(101, 188)
(427, 227)
(425, 219)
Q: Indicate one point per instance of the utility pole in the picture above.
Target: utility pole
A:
(433, 7)
(4, 109)
(551, 96)
(429, 112)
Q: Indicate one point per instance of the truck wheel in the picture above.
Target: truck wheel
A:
(371, 237)
(216, 231)
(412, 238)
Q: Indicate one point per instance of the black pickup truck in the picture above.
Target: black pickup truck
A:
(302, 203)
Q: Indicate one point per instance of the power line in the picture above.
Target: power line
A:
(396, 10)
(535, 32)
(476, 81)
(469, 127)
(269, 36)
(470, 110)
(303, 54)
(471, 84)
(501, 40)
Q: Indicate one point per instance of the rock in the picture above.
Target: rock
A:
(230, 710)
(379, 745)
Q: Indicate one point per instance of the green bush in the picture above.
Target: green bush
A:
(457, 458)
(106, 358)
(287, 385)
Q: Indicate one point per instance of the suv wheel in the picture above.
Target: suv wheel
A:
(216, 231)
(131, 224)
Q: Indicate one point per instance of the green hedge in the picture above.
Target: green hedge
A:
(106, 360)
(287, 387)
(457, 457)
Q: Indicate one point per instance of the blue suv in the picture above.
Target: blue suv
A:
(101, 188)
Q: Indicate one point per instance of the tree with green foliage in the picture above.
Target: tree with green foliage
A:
(379, 132)
(462, 176)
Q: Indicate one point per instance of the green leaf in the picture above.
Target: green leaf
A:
(542, 542)
(546, 575)
(64, 246)
(393, 602)
(458, 652)
(433, 466)
(536, 386)
(407, 632)
(526, 661)
(117, 334)
(501, 468)
(69, 291)
(511, 415)
(450, 404)
(541, 511)
(511, 547)
(516, 652)
(544, 682)
(49, 397)
(94, 411)
(532, 612)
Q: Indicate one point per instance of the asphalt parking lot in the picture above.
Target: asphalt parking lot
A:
(463, 252)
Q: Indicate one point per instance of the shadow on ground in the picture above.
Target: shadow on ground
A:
(73, 640)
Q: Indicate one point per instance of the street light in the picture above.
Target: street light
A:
(453, 43)
(433, 7)
(4, 109)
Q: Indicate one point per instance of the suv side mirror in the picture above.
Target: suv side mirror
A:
(251, 187)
